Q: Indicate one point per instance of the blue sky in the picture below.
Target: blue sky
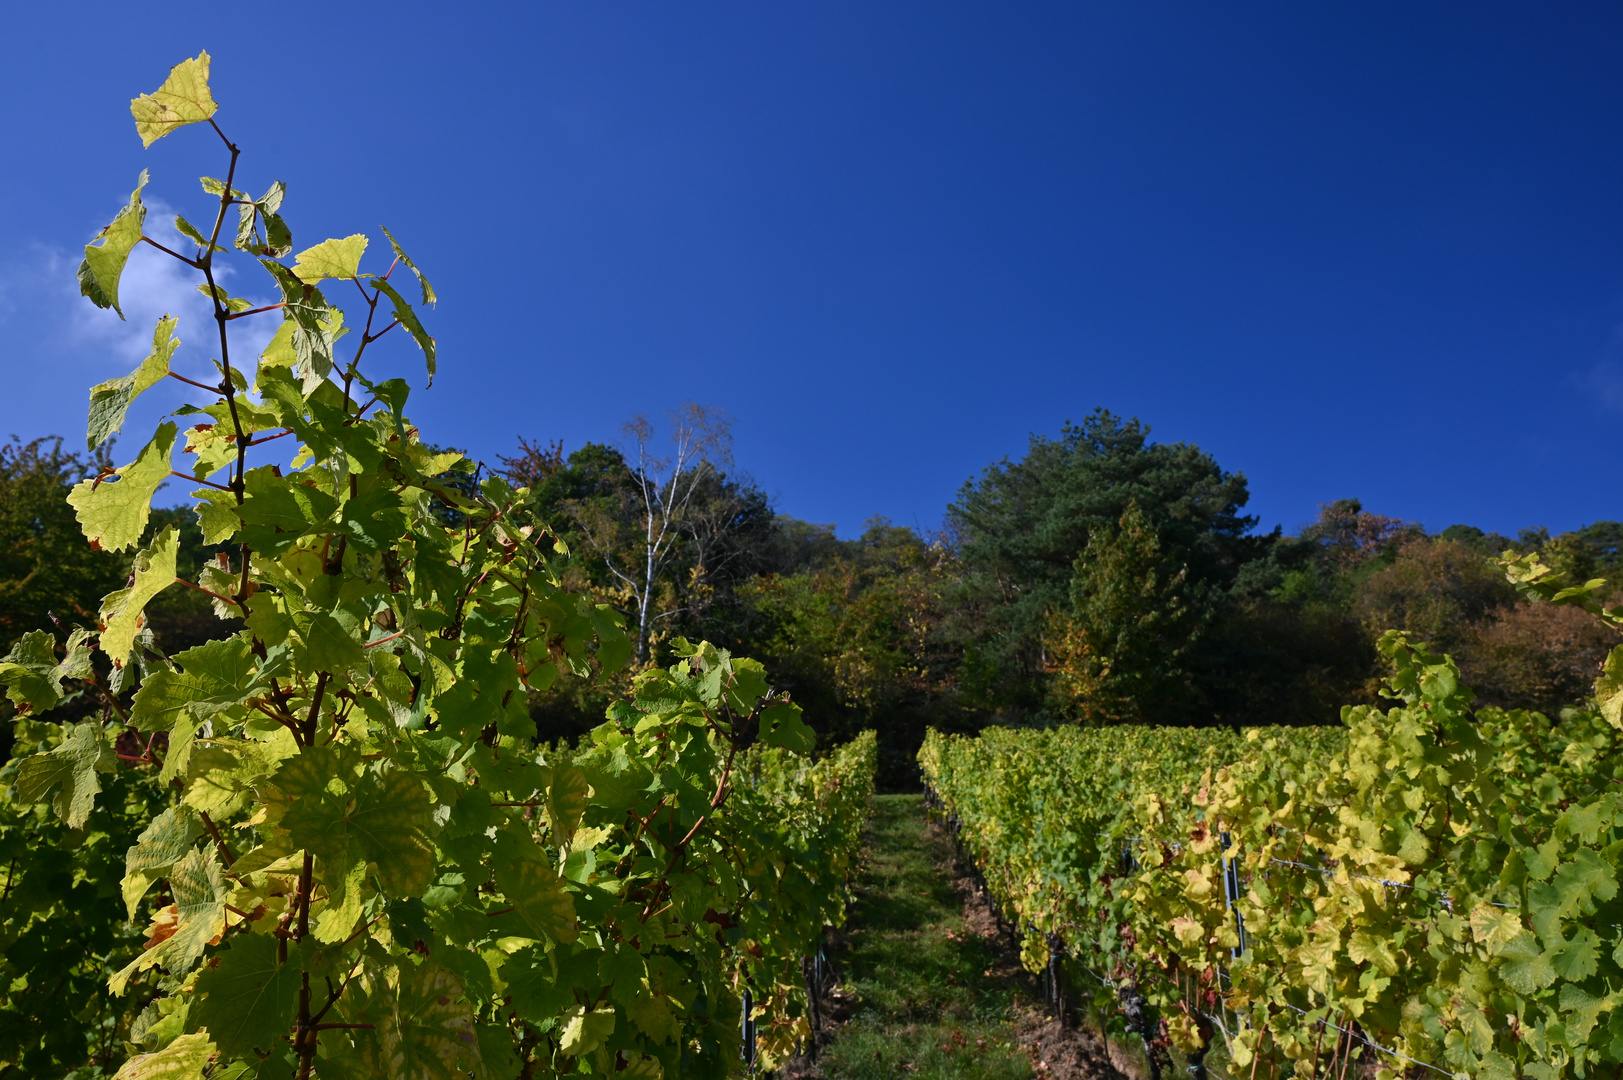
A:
(1369, 250)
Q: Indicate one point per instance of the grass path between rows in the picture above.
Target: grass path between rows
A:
(924, 995)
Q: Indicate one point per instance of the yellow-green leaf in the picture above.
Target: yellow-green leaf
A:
(113, 511)
(110, 401)
(184, 98)
(330, 259)
(428, 290)
(69, 770)
(160, 846)
(105, 256)
(182, 1059)
(121, 611)
(426, 1032)
(585, 1031)
(566, 801)
(538, 893)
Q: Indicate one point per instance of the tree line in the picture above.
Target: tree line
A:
(1102, 578)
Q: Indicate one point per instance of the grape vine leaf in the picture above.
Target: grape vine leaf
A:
(391, 820)
(316, 325)
(566, 801)
(1609, 688)
(1575, 959)
(330, 259)
(182, 1059)
(408, 319)
(427, 1032)
(781, 725)
(538, 893)
(216, 515)
(182, 931)
(428, 290)
(584, 1030)
(246, 1001)
(105, 256)
(110, 401)
(121, 611)
(184, 98)
(1368, 948)
(343, 908)
(210, 677)
(163, 843)
(651, 1012)
(328, 644)
(70, 770)
(30, 673)
(1526, 969)
(194, 234)
(114, 512)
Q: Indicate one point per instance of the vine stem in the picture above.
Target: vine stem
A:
(219, 841)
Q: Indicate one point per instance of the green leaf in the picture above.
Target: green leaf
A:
(391, 822)
(284, 503)
(584, 1030)
(1585, 879)
(613, 647)
(278, 240)
(192, 233)
(247, 1000)
(566, 801)
(328, 643)
(428, 290)
(426, 1031)
(163, 843)
(227, 301)
(121, 611)
(408, 319)
(106, 255)
(316, 325)
(182, 1059)
(199, 889)
(652, 1014)
(538, 893)
(276, 510)
(1524, 967)
(330, 259)
(1609, 688)
(343, 910)
(184, 98)
(30, 674)
(69, 770)
(216, 515)
(113, 511)
(1368, 948)
(375, 520)
(1575, 959)
(110, 401)
(210, 677)
(781, 725)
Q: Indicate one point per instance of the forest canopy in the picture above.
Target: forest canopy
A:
(1100, 578)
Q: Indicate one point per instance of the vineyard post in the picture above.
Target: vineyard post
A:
(748, 1033)
(1231, 894)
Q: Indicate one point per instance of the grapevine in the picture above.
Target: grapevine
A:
(358, 861)
(1429, 885)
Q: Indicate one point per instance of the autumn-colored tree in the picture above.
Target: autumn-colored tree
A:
(1436, 590)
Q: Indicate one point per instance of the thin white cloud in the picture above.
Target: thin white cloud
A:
(1604, 382)
(154, 285)
(40, 305)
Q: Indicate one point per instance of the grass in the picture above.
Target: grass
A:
(929, 999)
